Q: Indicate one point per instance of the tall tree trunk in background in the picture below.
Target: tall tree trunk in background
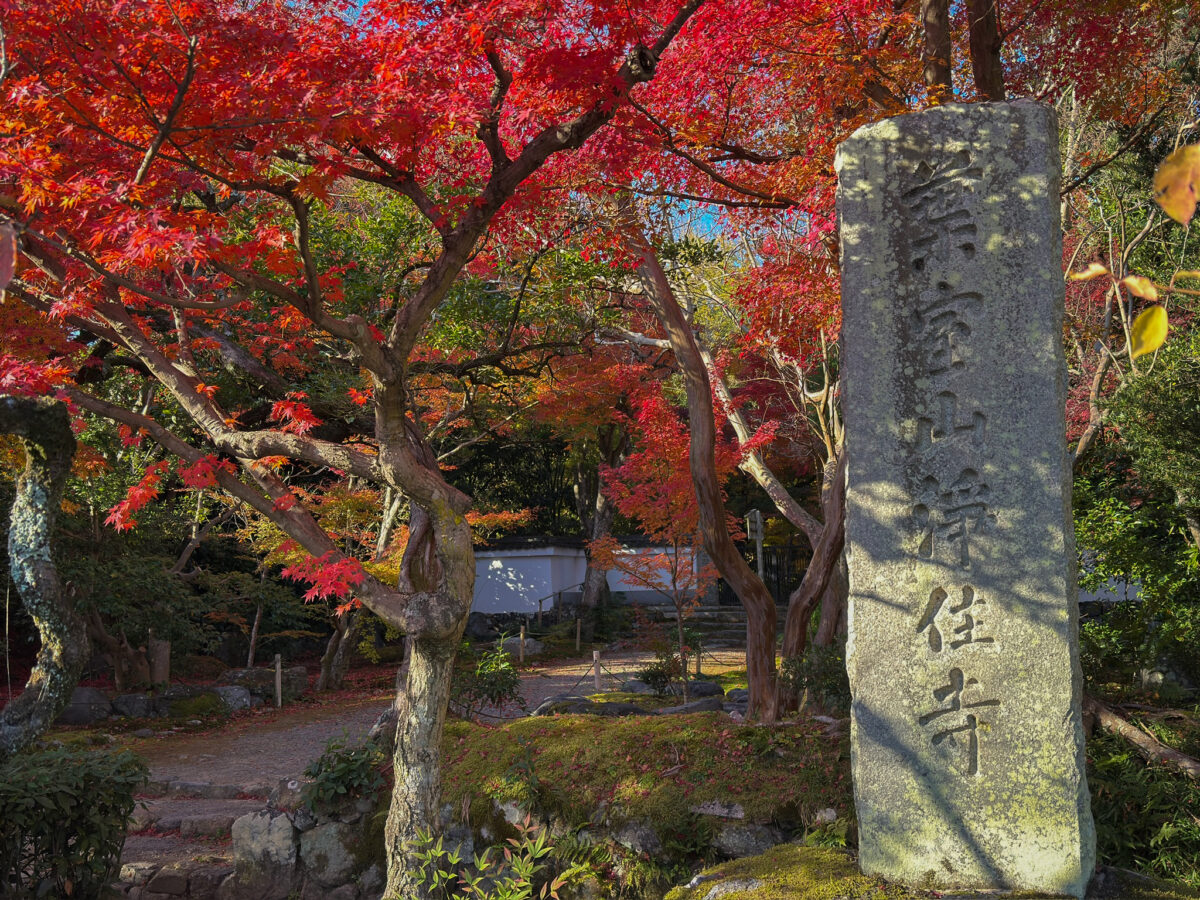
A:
(985, 42)
(833, 604)
(44, 429)
(750, 590)
(131, 666)
(820, 584)
(935, 19)
(596, 514)
(339, 650)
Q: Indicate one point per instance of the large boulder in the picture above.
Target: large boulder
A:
(264, 858)
(707, 704)
(512, 646)
(479, 628)
(135, 706)
(326, 852)
(234, 696)
(738, 839)
(261, 682)
(88, 705)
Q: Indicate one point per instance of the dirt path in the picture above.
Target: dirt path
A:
(200, 783)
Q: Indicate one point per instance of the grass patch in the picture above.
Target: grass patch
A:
(735, 678)
(639, 769)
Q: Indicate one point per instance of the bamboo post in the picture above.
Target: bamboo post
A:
(699, 653)
(596, 667)
(578, 630)
(278, 681)
(521, 647)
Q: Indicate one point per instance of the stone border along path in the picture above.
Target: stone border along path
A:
(200, 783)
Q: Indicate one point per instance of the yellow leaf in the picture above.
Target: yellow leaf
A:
(1140, 286)
(1095, 270)
(1188, 273)
(1177, 182)
(1149, 331)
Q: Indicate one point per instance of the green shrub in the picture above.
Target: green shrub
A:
(665, 671)
(343, 772)
(1145, 814)
(520, 871)
(484, 678)
(63, 815)
(821, 675)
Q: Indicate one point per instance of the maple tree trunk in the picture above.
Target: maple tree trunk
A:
(819, 578)
(44, 429)
(336, 660)
(416, 792)
(985, 42)
(935, 18)
(833, 604)
(131, 665)
(254, 638)
(749, 588)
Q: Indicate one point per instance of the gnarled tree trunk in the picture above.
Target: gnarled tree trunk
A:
(335, 662)
(45, 431)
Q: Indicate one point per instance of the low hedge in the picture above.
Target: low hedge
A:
(63, 814)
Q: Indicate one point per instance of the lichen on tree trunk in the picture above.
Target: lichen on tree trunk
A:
(416, 792)
(45, 432)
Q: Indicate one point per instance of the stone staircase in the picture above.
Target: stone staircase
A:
(719, 627)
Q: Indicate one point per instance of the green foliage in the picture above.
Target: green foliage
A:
(1128, 536)
(343, 772)
(1145, 814)
(484, 678)
(519, 871)
(665, 671)
(63, 815)
(820, 674)
(201, 706)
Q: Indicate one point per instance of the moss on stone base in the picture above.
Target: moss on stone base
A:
(793, 872)
(199, 707)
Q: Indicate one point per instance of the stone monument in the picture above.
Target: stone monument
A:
(967, 746)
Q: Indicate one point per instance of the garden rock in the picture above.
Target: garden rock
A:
(169, 880)
(234, 696)
(264, 855)
(737, 695)
(708, 704)
(512, 646)
(261, 682)
(479, 628)
(636, 686)
(325, 854)
(639, 837)
(88, 705)
(731, 886)
(722, 808)
(700, 689)
(738, 840)
(135, 706)
(563, 704)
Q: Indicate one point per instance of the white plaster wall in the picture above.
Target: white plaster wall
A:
(514, 580)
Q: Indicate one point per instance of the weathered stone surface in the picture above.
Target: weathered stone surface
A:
(136, 706)
(325, 852)
(512, 646)
(639, 837)
(737, 695)
(87, 705)
(264, 856)
(726, 809)
(261, 682)
(169, 880)
(204, 881)
(234, 696)
(967, 745)
(737, 839)
(700, 689)
(733, 886)
(209, 825)
(708, 704)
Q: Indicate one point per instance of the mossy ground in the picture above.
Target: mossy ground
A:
(651, 769)
(794, 872)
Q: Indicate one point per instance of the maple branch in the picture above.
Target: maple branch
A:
(352, 329)
(489, 127)
(403, 182)
(638, 67)
(303, 239)
(197, 539)
(243, 444)
(711, 201)
(1107, 161)
(121, 281)
(164, 129)
(290, 517)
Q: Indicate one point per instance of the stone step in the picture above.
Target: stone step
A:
(191, 817)
(205, 790)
